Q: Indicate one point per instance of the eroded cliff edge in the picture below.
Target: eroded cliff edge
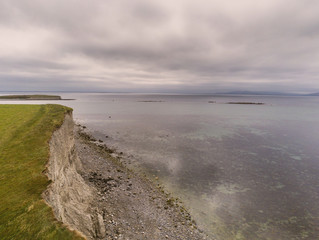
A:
(93, 193)
(69, 196)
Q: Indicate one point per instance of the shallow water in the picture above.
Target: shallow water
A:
(244, 171)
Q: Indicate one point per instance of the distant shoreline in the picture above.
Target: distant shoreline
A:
(244, 103)
(32, 97)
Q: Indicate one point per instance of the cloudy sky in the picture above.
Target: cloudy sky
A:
(159, 46)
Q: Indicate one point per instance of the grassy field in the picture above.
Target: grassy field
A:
(31, 97)
(25, 131)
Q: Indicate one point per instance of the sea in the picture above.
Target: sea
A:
(244, 171)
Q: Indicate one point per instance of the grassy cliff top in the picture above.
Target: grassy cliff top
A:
(31, 97)
(24, 151)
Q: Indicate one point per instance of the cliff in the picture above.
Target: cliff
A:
(105, 200)
(69, 196)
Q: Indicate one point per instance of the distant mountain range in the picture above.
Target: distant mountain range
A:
(313, 94)
(267, 93)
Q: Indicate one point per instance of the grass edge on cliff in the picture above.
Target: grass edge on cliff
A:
(24, 151)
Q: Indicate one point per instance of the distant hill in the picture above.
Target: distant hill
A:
(31, 97)
(267, 93)
(259, 93)
(313, 94)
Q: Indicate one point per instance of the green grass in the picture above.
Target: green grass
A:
(31, 97)
(25, 131)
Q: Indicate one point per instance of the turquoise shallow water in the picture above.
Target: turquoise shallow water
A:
(244, 171)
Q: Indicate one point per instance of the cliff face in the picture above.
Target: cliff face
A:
(111, 202)
(69, 196)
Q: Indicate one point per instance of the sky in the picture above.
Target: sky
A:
(201, 46)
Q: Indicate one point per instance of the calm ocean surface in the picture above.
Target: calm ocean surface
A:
(244, 171)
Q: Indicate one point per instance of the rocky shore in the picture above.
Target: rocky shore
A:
(95, 194)
(129, 205)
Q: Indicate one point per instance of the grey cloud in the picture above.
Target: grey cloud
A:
(162, 45)
(30, 64)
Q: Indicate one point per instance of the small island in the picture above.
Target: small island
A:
(150, 101)
(31, 97)
(251, 103)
